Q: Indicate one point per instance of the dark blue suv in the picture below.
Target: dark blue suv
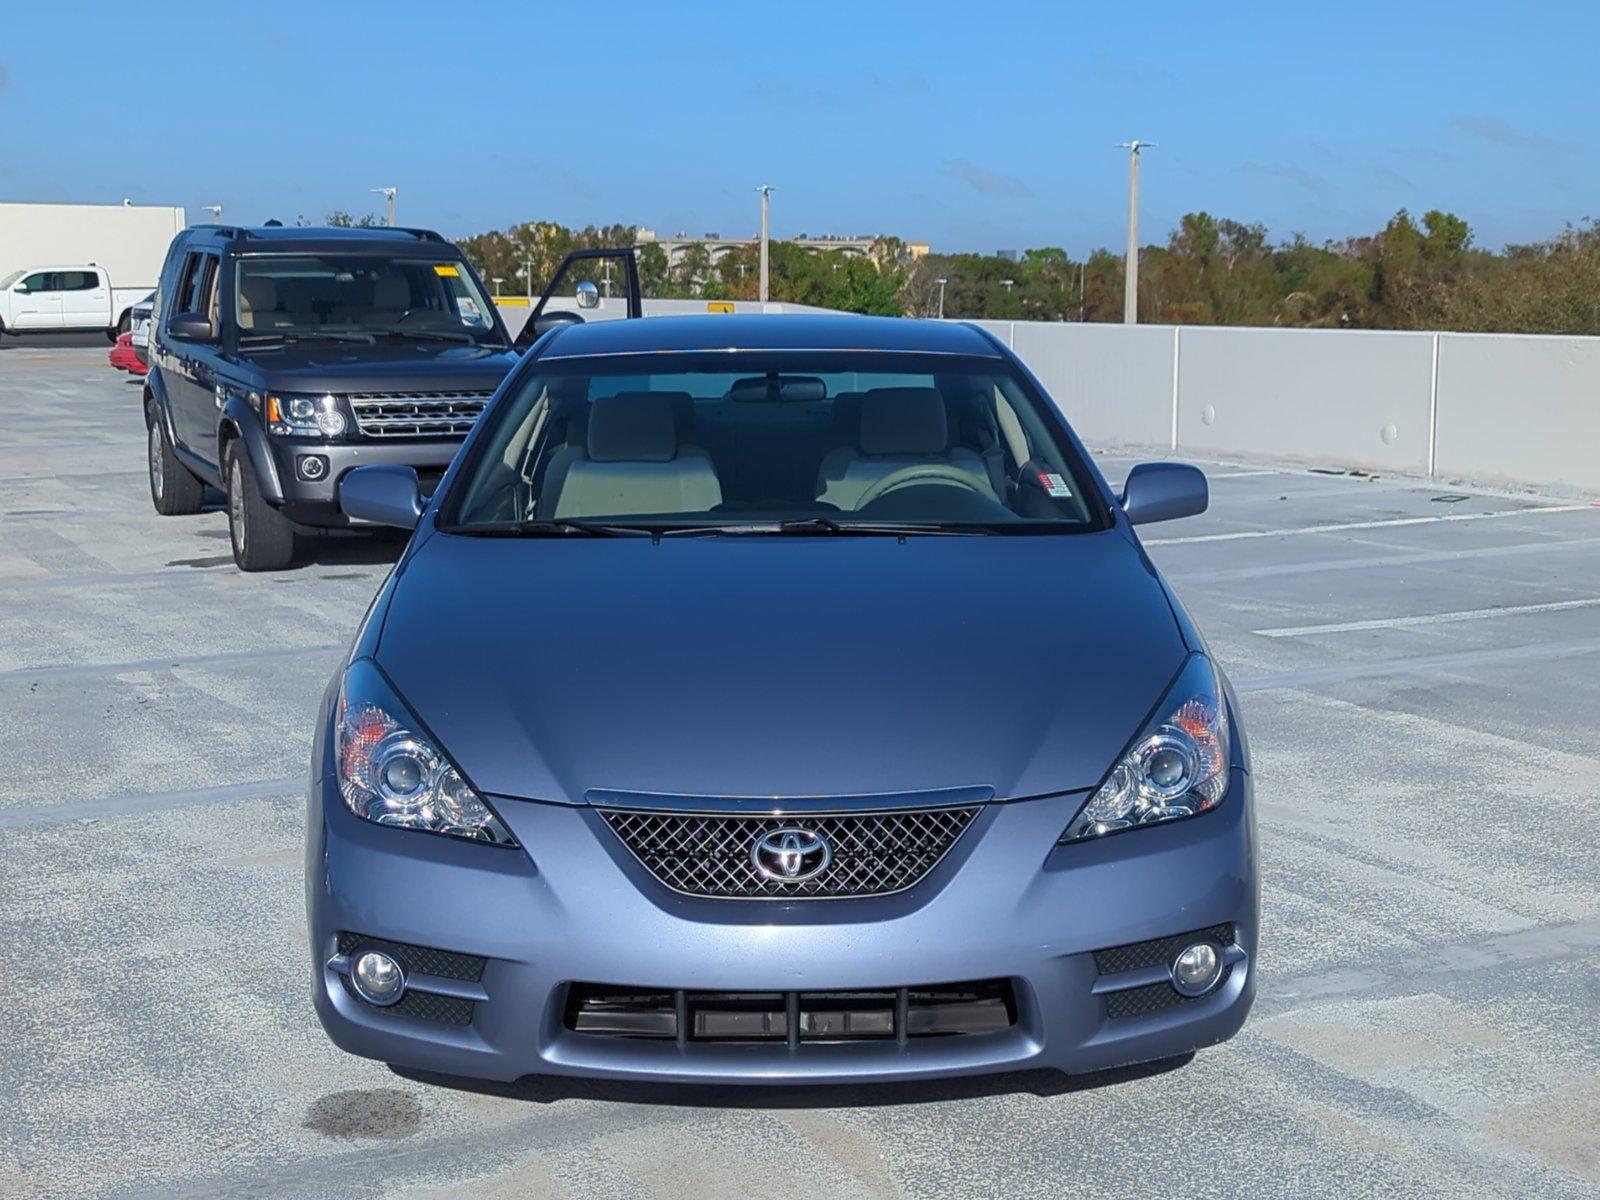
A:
(281, 358)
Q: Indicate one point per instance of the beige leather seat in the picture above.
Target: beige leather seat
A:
(900, 427)
(258, 300)
(391, 297)
(632, 464)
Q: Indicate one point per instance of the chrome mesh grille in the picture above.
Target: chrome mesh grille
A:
(407, 414)
(708, 854)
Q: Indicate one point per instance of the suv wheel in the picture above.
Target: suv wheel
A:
(173, 490)
(263, 538)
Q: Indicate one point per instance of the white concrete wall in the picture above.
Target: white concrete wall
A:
(1341, 396)
(1522, 409)
(1488, 407)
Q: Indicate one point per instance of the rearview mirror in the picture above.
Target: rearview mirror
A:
(189, 327)
(1164, 491)
(384, 495)
(588, 295)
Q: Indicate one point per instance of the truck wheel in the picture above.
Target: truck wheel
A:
(263, 538)
(173, 490)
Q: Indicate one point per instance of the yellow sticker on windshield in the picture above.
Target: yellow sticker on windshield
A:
(448, 270)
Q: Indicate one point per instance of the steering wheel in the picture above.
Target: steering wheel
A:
(906, 476)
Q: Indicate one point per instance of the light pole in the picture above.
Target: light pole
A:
(527, 274)
(388, 194)
(941, 283)
(214, 209)
(497, 281)
(1130, 270)
(766, 192)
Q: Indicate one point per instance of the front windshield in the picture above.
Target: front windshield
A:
(757, 439)
(12, 278)
(361, 295)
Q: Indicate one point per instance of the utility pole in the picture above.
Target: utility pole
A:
(941, 283)
(1130, 270)
(766, 192)
(388, 194)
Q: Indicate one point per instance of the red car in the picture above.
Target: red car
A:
(123, 357)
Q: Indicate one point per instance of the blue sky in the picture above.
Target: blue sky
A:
(972, 126)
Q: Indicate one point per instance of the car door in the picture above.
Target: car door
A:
(36, 301)
(85, 299)
(187, 367)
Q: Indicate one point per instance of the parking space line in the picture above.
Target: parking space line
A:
(45, 815)
(1417, 665)
(1419, 557)
(90, 670)
(1244, 534)
(1239, 474)
(1444, 618)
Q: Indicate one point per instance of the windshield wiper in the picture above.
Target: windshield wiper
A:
(435, 335)
(313, 335)
(549, 527)
(826, 526)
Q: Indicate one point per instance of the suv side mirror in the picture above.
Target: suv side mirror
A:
(545, 322)
(190, 327)
(1164, 491)
(384, 495)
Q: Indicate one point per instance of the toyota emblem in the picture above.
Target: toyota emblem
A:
(790, 855)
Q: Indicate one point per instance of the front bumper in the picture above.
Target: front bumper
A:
(1006, 903)
(315, 502)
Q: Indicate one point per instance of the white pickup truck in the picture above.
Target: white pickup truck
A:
(55, 299)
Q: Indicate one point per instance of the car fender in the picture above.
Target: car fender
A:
(239, 420)
(156, 393)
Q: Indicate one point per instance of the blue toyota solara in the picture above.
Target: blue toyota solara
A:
(777, 699)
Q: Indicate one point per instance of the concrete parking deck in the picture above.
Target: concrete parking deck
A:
(1420, 668)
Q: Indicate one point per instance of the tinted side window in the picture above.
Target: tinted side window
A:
(189, 283)
(39, 281)
(205, 297)
(78, 281)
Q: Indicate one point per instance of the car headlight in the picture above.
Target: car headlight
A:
(1176, 767)
(392, 773)
(303, 416)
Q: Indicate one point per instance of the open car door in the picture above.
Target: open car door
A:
(572, 292)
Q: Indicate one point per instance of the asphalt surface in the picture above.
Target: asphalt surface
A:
(1418, 667)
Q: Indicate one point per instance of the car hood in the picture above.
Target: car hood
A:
(387, 366)
(780, 666)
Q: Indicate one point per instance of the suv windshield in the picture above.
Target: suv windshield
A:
(804, 442)
(361, 294)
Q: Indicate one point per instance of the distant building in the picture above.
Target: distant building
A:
(1008, 255)
(717, 247)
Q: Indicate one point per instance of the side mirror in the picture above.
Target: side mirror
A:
(545, 322)
(382, 495)
(1164, 491)
(588, 295)
(190, 327)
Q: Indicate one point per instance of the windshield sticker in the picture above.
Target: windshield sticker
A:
(448, 270)
(1054, 484)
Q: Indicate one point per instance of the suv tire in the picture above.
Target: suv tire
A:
(173, 490)
(263, 538)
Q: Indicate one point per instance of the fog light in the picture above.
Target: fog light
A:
(1196, 970)
(377, 978)
(313, 466)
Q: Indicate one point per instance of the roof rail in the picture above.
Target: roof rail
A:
(426, 235)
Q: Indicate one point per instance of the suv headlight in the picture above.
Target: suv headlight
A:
(303, 416)
(392, 773)
(1176, 767)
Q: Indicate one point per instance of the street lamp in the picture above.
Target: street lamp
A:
(766, 193)
(497, 281)
(1130, 270)
(214, 209)
(388, 194)
(941, 282)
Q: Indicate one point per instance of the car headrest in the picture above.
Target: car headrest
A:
(632, 427)
(904, 420)
(391, 292)
(257, 294)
